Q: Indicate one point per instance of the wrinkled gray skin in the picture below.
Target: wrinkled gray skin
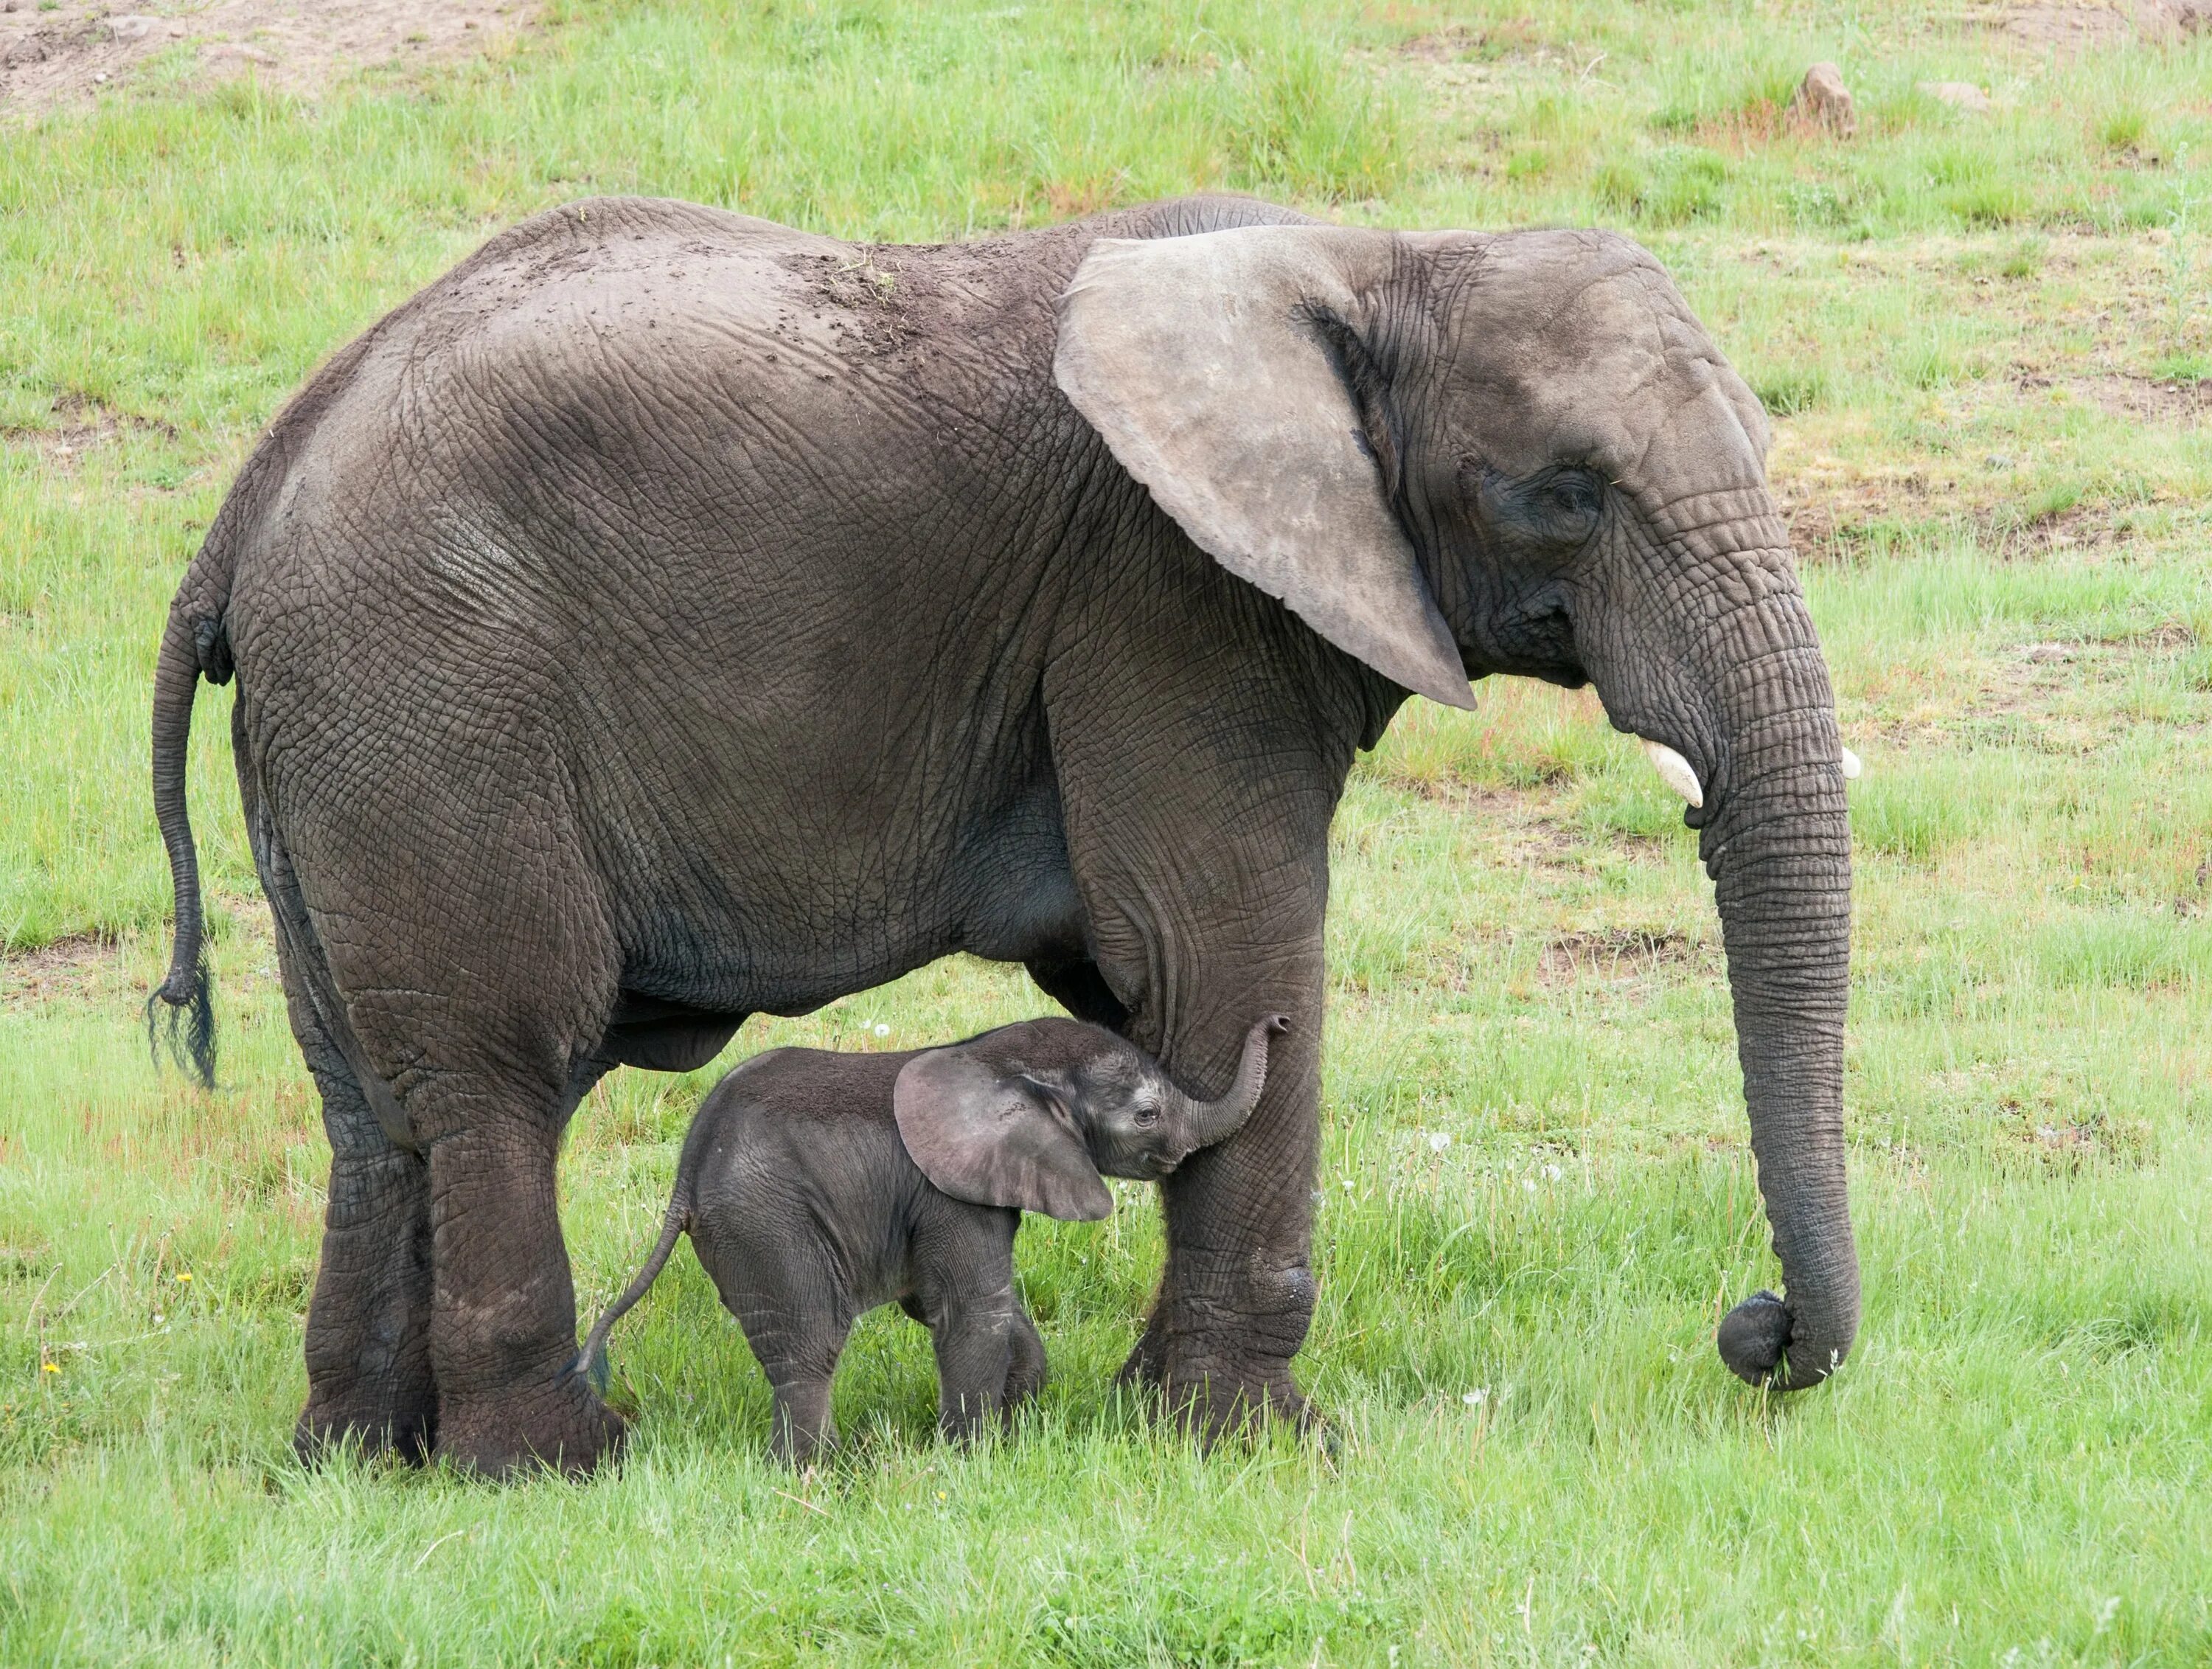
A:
(666, 617)
(808, 1208)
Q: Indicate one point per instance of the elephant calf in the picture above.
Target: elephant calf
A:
(818, 1185)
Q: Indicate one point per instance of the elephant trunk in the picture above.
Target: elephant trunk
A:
(1752, 713)
(1209, 1121)
(1779, 853)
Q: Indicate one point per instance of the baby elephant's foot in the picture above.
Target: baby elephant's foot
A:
(801, 1431)
(563, 1425)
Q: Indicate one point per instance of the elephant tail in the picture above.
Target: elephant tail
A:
(193, 645)
(589, 1360)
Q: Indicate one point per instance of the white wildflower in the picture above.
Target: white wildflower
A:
(1438, 1141)
(1478, 1397)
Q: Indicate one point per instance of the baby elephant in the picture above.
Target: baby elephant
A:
(817, 1186)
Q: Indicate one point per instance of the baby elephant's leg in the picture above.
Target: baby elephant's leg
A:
(973, 1335)
(797, 1344)
(1025, 1364)
(797, 1327)
(803, 1425)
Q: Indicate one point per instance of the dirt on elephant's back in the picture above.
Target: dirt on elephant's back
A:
(81, 49)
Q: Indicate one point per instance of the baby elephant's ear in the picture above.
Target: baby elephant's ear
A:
(993, 1138)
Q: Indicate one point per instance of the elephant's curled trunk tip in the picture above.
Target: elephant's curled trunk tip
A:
(1754, 1341)
(1214, 1121)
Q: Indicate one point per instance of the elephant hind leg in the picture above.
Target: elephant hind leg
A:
(503, 1316)
(796, 1317)
(487, 1078)
(802, 1425)
(370, 1382)
(370, 1379)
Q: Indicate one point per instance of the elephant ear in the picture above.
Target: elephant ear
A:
(1202, 364)
(993, 1137)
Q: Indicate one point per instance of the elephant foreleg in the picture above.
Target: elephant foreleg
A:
(1026, 1367)
(1237, 1294)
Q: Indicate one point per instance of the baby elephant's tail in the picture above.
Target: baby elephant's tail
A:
(680, 1216)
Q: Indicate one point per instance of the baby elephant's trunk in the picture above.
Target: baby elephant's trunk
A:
(1216, 1121)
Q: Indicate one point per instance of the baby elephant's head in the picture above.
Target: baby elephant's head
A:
(1033, 1115)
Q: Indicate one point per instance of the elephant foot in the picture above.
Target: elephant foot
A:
(562, 1427)
(1219, 1399)
(326, 1427)
(1225, 1370)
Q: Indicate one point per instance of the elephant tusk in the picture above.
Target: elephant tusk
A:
(1675, 770)
(1851, 766)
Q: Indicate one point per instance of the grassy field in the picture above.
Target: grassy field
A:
(1987, 336)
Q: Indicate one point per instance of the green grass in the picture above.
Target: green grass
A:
(1984, 339)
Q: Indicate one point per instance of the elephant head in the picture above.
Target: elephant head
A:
(1453, 454)
(1034, 1115)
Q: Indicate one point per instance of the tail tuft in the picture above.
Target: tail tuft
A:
(181, 1020)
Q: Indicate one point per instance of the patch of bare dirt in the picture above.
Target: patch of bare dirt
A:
(2052, 697)
(2146, 399)
(1517, 39)
(73, 52)
(1829, 526)
(2064, 28)
(2059, 1145)
(1444, 45)
(74, 967)
(1832, 509)
(1470, 63)
(2167, 638)
(1616, 954)
(1526, 823)
(82, 423)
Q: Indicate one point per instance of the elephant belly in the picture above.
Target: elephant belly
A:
(800, 917)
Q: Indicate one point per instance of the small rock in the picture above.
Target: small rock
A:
(1958, 95)
(1823, 98)
(2043, 653)
(129, 28)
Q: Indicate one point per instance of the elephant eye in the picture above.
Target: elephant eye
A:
(1147, 1115)
(1575, 494)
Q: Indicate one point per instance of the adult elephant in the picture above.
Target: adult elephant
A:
(667, 616)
